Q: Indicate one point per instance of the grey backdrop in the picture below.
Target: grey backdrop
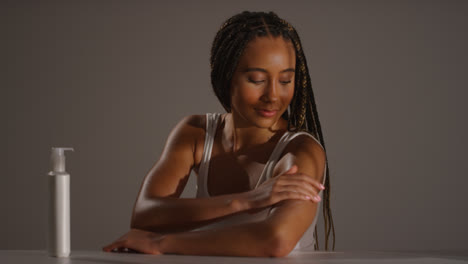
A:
(111, 79)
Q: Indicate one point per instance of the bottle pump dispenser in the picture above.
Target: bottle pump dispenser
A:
(58, 242)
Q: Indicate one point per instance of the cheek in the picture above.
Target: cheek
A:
(244, 94)
(288, 94)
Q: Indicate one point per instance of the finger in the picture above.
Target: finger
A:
(292, 170)
(119, 250)
(295, 184)
(112, 247)
(300, 182)
(288, 195)
(306, 178)
(127, 250)
(107, 248)
(307, 193)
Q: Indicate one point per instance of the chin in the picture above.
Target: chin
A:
(262, 122)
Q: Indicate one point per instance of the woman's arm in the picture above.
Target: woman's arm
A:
(159, 209)
(276, 236)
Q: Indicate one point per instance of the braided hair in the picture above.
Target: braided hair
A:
(227, 48)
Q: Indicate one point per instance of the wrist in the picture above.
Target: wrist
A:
(158, 243)
(240, 202)
(164, 244)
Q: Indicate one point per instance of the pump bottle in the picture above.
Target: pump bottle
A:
(58, 242)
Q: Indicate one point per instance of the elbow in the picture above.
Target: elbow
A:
(144, 216)
(136, 222)
(136, 225)
(140, 220)
(280, 244)
(280, 248)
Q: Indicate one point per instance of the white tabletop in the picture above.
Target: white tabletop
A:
(313, 257)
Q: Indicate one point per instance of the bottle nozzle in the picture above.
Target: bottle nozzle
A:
(58, 159)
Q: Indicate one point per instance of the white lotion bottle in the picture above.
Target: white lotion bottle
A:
(58, 241)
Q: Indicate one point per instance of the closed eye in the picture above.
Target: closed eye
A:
(256, 82)
(285, 82)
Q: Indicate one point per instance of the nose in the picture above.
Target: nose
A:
(270, 93)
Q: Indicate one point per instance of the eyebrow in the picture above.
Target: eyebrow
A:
(263, 70)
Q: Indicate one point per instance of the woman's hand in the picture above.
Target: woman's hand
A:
(138, 241)
(289, 185)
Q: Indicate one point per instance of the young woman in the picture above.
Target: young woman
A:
(261, 166)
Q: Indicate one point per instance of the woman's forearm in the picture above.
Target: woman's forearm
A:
(169, 214)
(164, 215)
(253, 239)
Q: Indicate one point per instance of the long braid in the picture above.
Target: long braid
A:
(313, 125)
(226, 51)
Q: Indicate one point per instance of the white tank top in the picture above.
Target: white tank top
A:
(212, 120)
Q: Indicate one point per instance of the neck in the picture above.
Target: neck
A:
(238, 136)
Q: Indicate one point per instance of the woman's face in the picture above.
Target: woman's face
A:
(263, 84)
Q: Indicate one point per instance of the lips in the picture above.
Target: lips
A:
(267, 112)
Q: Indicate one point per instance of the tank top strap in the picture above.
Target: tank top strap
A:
(277, 151)
(212, 120)
(274, 156)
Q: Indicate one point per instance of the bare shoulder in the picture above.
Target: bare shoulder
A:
(307, 145)
(192, 122)
(191, 131)
(168, 175)
(183, 138)
(305, 152)
(188, 127)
